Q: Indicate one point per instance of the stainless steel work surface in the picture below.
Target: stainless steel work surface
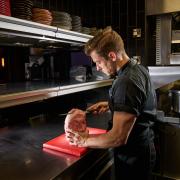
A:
(22, 156)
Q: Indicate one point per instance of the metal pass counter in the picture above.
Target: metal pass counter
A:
(22, 156)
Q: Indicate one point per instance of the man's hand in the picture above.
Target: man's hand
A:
(77, 138)
(99, 107)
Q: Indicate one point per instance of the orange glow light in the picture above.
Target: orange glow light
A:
(2, 62)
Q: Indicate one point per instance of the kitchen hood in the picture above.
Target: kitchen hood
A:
(163, 75)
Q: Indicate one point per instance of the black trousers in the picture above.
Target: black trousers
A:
(135, 161)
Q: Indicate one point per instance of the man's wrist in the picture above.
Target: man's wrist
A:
(86, 140)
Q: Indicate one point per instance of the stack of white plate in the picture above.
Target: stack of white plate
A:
(76, 23)
(86, 30)
(93, 30)
(62, 20)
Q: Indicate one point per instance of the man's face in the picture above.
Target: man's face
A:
(107, 66)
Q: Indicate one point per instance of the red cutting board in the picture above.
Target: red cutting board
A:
(61, 144)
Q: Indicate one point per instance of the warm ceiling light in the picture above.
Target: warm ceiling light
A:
(2, 62)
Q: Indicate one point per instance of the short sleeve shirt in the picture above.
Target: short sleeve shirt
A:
(132, 91)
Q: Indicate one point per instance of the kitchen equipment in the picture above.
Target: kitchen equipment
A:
(61, 144)
(175, 100)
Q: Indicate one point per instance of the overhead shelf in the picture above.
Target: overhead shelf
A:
(12, 28)
(12, 98)
(19, 26)
(72, 36)
(14, 32)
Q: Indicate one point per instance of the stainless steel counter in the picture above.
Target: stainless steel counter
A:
(22, 156)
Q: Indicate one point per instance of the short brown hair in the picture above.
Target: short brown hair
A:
(104, 41)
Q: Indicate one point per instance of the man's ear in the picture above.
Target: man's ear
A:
(112, 56)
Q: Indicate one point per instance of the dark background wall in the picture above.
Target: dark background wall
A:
(122, 15)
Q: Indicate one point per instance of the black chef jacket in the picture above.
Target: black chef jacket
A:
(132, 92)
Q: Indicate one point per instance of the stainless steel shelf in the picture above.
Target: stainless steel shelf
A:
(72, 36)
(83, 86)
(42, 93)
(12, 96)
(13, 29)
(13, 99)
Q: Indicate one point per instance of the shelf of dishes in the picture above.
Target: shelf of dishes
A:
(17, 94)
(27, 33)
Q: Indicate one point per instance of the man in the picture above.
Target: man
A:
(132, 103)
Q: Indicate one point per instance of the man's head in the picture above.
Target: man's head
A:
(105, 49)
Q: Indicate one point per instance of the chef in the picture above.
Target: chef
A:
(132, 103)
